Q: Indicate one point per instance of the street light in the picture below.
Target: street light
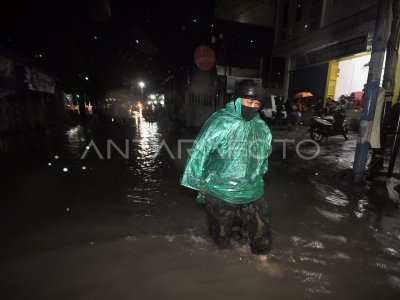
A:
(141, 85)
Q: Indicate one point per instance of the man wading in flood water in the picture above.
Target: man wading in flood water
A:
(227, 163)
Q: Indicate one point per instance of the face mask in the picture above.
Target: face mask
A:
(248, 113)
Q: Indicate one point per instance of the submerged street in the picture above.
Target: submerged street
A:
(225, 150)
(125, 229)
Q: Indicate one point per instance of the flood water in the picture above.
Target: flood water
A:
(122, 228)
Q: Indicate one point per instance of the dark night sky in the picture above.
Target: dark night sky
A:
(114, 42)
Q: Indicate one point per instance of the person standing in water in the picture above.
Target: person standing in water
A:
(227, 163)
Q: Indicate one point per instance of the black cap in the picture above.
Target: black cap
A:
(248, 88)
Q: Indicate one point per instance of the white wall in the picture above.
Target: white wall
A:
(352, 75)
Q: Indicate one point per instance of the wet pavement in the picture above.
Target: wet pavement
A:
(125, 229)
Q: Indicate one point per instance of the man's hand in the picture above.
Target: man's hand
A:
(204, 192)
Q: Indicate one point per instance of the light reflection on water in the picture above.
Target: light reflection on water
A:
(77, 139)
(146, 167)
(331, 194)
(149, 141)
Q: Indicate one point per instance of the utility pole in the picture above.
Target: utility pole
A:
(286, 78)
(388, 84)
(392, 57)
(371, 92)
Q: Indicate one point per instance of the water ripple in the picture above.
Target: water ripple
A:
(333, 216)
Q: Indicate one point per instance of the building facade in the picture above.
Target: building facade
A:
(315, 36)
(29, 98)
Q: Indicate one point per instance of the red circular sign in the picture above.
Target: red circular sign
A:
(204, 58)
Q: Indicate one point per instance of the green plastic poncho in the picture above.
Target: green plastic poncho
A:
(230, 156)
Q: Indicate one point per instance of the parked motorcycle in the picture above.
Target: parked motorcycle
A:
(336, 124)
